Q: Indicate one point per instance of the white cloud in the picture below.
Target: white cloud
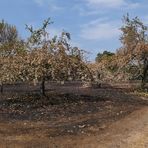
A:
(106, 3)
(95, 4)
(50, 3)
(83, 12)
(40, 2)
(95, 7)
(54, 7)
(100, 30)
(133, 5)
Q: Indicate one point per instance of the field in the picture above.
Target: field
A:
(72, 116)
(81, 82)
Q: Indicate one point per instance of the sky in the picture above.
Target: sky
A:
(94, 25)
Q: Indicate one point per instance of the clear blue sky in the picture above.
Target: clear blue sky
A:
(93, 24)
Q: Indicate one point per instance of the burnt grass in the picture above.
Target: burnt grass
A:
(67, 113)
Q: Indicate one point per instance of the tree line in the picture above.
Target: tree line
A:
(41, 57)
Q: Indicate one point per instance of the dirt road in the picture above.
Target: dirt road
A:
(129, 132)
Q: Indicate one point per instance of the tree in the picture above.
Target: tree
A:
(10, 46)
(135, 45)
(40, 55)
(105, 54)
(53, 58)
(131, 60)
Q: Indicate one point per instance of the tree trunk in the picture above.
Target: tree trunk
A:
(42, 88)
(145, 73)
(1, 88)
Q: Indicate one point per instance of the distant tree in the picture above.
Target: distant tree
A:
(10, 43)
(105, 54)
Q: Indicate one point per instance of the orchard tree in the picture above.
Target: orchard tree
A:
(39, 56)
(135, 45)
(10, 46)
(142, 55)
(10, 43)
(106, 66)
(53, 58)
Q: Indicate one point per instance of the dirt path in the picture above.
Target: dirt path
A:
(129, 132)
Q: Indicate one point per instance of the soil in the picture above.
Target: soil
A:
(84, 118)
